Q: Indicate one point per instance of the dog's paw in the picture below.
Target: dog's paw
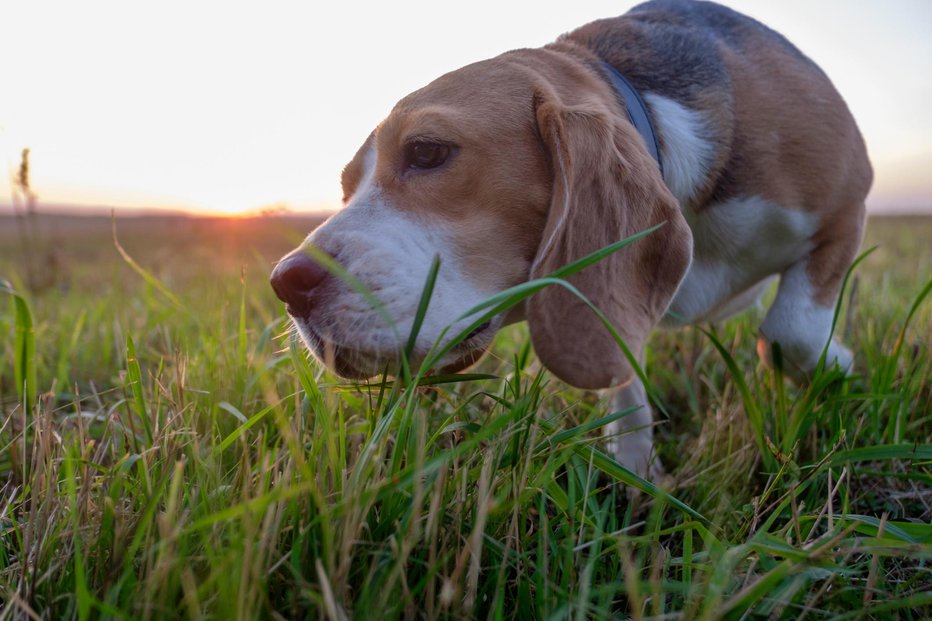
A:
(653, 472)
(636, 453)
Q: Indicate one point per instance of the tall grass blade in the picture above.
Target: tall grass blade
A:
(422, 305)
(134, 375)
(331, 265)
(841, 296)
(24, 348)
(751, 408)
(926, 290)
(243, 344)
(883, 452)
(511, 297)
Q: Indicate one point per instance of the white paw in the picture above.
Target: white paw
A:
(634, 450)
(840, 355)
(799, 362)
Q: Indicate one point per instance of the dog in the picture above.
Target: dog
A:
(679, 113)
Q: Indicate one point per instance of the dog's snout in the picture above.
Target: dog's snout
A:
(295, 279)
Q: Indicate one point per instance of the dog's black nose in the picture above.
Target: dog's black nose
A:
(294, 280)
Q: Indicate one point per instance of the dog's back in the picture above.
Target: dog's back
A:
(782, 130)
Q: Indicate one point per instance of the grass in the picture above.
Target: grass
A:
(182, 458)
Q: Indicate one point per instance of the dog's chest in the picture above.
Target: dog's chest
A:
(736, 245)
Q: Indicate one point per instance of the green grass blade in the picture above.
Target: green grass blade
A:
(617, 472)
(841, 295)
(751, 408)
(134, 375)
(561, 273)
(745, 599)
(331, 265)
(454, 378)
(884, 452)
(24, 348)
(901, 531)
(914, 601)
(923, 294)
(581, 430)
(422, 305)
(243, 342)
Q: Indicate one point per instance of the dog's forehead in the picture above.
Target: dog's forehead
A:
(488, 92)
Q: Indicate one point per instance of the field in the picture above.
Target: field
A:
(183, 459)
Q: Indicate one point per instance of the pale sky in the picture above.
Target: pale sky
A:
(233, 106)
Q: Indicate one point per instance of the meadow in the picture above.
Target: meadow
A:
(167, 451)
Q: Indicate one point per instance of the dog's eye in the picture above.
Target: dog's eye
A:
(423, 154)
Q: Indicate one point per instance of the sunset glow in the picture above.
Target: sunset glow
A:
(232, 108)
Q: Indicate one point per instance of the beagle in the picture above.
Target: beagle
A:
(679, 112)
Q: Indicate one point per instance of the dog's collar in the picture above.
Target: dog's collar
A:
(637, 110)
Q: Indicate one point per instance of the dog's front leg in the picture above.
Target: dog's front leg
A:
(631, 437)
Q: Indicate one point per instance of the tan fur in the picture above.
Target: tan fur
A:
(352, 172)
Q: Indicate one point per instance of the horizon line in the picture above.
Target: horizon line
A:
(8, 208)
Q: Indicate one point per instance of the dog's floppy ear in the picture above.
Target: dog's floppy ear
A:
(606, 187)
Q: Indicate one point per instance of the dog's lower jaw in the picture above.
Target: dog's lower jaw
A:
(353, 364)
(465, 361)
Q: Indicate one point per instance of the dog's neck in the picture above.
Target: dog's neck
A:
(637, 110)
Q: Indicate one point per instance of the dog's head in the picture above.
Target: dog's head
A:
(506, 169)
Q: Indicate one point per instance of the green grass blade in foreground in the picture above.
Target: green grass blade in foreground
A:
(331, 265)
(305, 373)
(757, 590)
(427, 292)
(24, 348)
(500, 302)
(243, 344)
(134, 374)
(227, 441)
(507, 299)
(914, 601)
(926, 290)
(422, 305)
(616, 471)
(454, 378)
(569, 269)
(871, 526)
(80, 571)
(841, 295)
(580, 264)
(568, 434)
(885, 452)
(751, 409)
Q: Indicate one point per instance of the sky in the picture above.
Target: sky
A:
(228, 107)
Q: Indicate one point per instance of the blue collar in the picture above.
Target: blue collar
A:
(637, 110)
